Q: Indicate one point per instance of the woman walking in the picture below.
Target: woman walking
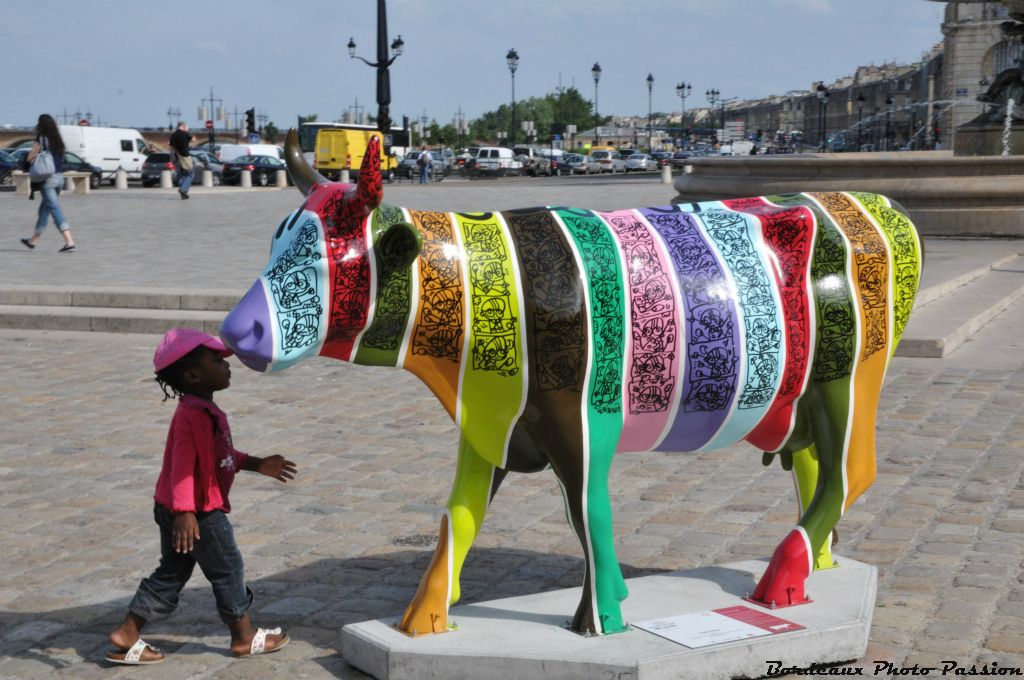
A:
(48, 139)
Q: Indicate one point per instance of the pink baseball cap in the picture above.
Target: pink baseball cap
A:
(178, 342)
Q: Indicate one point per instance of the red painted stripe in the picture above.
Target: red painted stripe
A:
(789, 232)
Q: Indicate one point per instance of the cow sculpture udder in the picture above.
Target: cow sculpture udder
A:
(560, 336)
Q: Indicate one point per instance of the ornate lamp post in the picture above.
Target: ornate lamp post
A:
(822, 113)
(860, 116)
(650, 115)
(713, 97)
(888, 111)
(382, 64)
(596, 72)
(512, 59)
(683, 90)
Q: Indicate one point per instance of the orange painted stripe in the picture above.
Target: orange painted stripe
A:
(435, 346)
(871, 287)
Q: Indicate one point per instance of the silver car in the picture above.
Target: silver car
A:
(609, 161)
(639, 162)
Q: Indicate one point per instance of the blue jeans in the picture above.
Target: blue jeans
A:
(185, 180)
(50, 206)
(425, 174)
(216, 554)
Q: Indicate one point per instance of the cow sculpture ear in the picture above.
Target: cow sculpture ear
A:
(399, 246)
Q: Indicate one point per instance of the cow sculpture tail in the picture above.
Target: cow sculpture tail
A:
(865, 273)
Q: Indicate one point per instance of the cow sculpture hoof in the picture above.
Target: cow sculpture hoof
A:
(782, 584)
(558, 338)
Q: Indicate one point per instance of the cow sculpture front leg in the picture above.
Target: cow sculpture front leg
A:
(476, 481)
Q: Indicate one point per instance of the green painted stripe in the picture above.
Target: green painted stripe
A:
(906, 256)
(492, 388)
(602, 268)
(381, 343)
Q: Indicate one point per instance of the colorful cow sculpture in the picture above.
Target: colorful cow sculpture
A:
(560, 337)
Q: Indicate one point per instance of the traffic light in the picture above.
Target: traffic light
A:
(250, 121)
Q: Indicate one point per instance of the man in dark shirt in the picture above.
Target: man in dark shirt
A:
(180, 142)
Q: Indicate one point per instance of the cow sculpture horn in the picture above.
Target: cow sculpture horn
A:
(305, 177)
(370, 190)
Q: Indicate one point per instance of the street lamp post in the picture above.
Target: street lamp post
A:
(512, 59)
(596, 72)
(888, 110)
(860, 116)
(650, 113)
(822, 114)
(713, 97)
(913, 124)
(382, 64)
(683, 90)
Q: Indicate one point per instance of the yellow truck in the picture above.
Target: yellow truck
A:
(338, 148)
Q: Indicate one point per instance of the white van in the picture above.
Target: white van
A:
(108, 148)
(497, 160)
(229, 152)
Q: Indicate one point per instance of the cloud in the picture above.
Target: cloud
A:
(211, 45)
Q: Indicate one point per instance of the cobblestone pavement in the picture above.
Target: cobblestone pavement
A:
(83, 433)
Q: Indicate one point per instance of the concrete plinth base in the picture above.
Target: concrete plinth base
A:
(524, 637)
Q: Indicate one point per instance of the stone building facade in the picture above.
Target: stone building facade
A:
(975, 52)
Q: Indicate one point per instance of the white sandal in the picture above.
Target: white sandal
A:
(133, 655)
(259, 642)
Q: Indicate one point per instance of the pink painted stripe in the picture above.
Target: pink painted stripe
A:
(653, 352)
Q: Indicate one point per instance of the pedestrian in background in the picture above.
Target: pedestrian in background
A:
(48, 139)
(181, 142)
(191, 503)
(424, 162)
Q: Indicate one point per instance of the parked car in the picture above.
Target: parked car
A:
(582, 165)
(564, 163)
(160, 161)
(496, 160)
(534, 162)
(639, 162)
(8, 164)
(626, 153)
(409, 166)
(609, 161)
(72, 163)
(661, 158)
(681, 159)
(263, 168)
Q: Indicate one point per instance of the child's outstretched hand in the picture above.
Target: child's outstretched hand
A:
(278, 467)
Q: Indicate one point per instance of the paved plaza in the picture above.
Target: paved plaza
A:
(83, 431)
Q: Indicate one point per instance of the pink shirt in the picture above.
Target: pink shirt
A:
(199, 461)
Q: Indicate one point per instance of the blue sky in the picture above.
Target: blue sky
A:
(128, 61)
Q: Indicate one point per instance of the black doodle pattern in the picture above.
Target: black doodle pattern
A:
(294, 282)
(600, 257)
(394, 293)
(439, 330)
(551, 285)
(712, 371)
(905, 257)
(870, 266)
(652, 374)
(351, 285)
(493, 318)
(760, 314)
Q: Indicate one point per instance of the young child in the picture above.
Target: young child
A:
(192, 503)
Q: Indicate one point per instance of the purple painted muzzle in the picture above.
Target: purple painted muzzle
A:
(247, 332)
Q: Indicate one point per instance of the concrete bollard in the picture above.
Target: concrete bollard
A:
(166, 182)
(69, 184)
(245, 180)
(282, 179)
(666, 174)
(121, 179)
(207, 177)
(345, 176)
